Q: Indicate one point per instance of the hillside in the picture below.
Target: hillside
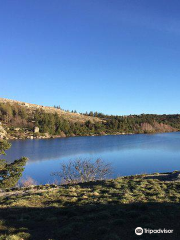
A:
(30, 108)
(24, 120)
(109, 210)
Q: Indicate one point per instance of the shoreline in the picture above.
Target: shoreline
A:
(173, 176)
(96, 135)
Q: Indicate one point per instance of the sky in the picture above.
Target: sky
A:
(113, 56)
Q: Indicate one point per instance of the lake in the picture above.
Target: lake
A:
(128, 154)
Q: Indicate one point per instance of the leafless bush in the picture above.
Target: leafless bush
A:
(27, 182)
(83, 171)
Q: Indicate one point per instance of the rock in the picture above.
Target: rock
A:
(46, 135)
(36, 130)
(73, 135)
(16, 129)
(62, 134)
(102, 133)
(26, 104)
(3, 132)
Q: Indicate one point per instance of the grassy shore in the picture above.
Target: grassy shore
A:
(108, 210)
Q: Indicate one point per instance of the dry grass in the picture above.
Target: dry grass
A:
(109, 209)
(73, 117)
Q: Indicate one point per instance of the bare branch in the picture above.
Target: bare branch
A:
(83, 171)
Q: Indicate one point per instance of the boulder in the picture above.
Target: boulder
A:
(62, 134)
(46, 135)
(36, 130)
(3, 132)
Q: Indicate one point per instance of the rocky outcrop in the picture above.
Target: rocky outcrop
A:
(3, 132)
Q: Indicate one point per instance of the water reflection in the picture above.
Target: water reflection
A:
(129, 154)
(39, 150)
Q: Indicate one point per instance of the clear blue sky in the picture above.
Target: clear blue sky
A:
(112, 56)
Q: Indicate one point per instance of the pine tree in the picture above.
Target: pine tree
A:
(10, 173)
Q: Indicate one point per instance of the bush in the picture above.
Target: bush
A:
(27, 182)
(83, 171)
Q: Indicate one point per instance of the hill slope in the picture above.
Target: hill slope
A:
(25, 120)
(30, 108)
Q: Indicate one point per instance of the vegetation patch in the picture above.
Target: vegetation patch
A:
(23, 120)
(109, 209)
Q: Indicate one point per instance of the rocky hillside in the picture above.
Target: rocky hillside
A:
(74, 117)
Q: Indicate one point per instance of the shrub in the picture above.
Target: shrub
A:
(83, 171)
(27, 182)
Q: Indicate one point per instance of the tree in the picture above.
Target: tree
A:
(83, 171)
(91, 113)
(10, 173)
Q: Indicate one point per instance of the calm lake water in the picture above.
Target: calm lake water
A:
(128, 154)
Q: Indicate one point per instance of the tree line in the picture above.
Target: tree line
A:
(19, 116)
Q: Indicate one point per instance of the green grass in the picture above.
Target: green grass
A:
(109, 209)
